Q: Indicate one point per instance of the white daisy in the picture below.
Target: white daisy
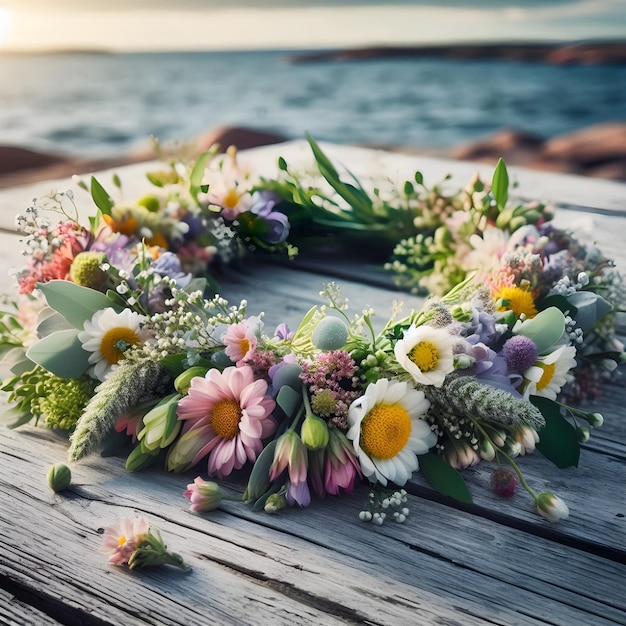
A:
(486, 250)
(107, 335)
(386, 430)
(426, 353)
(548, 375)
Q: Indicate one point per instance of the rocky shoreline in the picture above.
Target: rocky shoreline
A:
(597, 151)
(558, 53)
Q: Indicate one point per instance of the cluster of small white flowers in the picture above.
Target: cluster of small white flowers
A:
(224, 238)
(565, 286)
(390, 506)
(574, 333)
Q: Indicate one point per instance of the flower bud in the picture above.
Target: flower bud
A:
(487, 451)
(314, 432)
(503, 482)
(527, 438)
(203, 495)
(274, 503)
(595, 419)
(59, 477)
(551, 507)
(183, 381)
(582, 434)
(330, 334)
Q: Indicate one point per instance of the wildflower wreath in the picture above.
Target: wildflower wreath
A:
(118, 338)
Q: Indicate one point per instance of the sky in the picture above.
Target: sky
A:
(145, 25)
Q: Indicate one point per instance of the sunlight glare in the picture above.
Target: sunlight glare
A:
(5, 24)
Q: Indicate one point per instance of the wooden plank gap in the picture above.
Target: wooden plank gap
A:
(53, 607)
(314, 601)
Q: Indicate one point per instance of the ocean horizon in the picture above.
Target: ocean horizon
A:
(96, 104)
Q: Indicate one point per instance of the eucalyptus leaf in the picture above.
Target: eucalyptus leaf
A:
(289, 400)
(51, 324)
(545, 329)
(558, 441)
(590, 308)
(75, 303)
(60, 353)
(444, 478)
(500, 184)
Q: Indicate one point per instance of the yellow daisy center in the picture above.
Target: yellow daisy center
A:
(231, 199)
(122, 540)
(244, 346)
(425, 355)
(225, 418)
(517, 300)
(547, 376)
(115, 341)
(385, 431)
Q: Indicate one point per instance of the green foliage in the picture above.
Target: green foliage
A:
(500, 184)
(60, 353)
(444, 478)
(557, 439)
(101, 198)
(75, 303)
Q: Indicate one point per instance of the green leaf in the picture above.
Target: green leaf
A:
(545, 329)
(289, 400)
(557, 439)
(560, 302)
(409, 190)
(197, 173)
(61, 353)
(75, 303)
(500, 184)
(590, 308)
(101, 198)
(282, 164)
(444, 478)
(419, 178)
(51, 324)
(116, 181)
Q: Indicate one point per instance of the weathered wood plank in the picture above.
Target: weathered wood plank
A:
(297, 561)
(243, 572)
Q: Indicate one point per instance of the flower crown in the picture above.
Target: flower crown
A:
(118, 331)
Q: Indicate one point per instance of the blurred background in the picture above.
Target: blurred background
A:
(542, 83)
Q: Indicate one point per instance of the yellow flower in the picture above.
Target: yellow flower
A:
(516, 299)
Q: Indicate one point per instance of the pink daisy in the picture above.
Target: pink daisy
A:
(231, 413)
(122, 541)
(240, 342)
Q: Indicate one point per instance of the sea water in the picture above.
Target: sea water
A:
(105, 104)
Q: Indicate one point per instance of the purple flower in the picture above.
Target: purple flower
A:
(168, 264)
(520, 353)
(277, 223)
(282, 332)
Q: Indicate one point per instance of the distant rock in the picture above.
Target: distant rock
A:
(598, 151)
(583, 53)
(21, 166)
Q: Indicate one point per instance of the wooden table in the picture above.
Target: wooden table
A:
(493, 562)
